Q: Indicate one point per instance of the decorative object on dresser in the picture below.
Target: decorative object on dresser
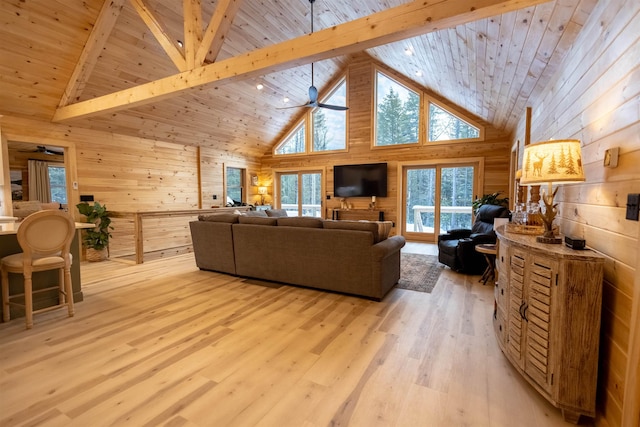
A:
(547, 318)
(554, 161)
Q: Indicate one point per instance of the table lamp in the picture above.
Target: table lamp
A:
(553, 161)
(262, 191)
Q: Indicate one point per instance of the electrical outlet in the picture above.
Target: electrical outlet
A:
(633, 206)
(215, 197)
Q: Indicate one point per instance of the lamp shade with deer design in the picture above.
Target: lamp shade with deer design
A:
(552, 161)
(549, 162)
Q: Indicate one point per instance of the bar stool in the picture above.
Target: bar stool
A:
(45, 238)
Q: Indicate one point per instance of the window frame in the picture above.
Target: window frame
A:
(374, 110)
(243, 182)
(342, 80)
(428, 100)
(57, 165)
(295, 129)
(306, 120)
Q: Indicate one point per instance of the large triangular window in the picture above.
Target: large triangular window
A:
(397, 113)
(445, 126)
(294, 143)
(330, 126)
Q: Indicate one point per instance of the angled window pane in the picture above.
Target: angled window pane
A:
(397, 113)
(444, 126)
(294, 142)
(330, 126)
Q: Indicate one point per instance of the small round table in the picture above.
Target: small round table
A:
(489, 251)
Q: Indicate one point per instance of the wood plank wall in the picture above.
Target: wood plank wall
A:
(494, 150)
(136, 174)
(596, 98)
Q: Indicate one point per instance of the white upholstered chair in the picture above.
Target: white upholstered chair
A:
(45, 238)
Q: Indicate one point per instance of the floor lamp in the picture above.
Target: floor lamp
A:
(553, 161)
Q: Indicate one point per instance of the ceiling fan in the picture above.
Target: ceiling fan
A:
(313, 92)
(41, 149)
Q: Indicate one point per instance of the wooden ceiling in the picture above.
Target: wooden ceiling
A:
(65, 59)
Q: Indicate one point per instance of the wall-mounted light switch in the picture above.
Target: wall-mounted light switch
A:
(215, 197)
(633, 206)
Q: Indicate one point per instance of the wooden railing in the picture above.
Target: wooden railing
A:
(417, 210)
(156, 234)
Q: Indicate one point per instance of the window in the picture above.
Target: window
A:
(57, 184)
(301, 193)
(294, 142)
(235, 185)
(437, 198)
(330, 126)
(444, 126)
(397, 113)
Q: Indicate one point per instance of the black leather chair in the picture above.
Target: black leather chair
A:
(456, 248)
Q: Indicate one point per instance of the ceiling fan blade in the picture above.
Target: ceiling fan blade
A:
(333, 107)
(296, 106)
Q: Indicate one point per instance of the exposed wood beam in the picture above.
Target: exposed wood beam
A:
(92, 49)
(192, 30)
(395, 24)
(170, 46)
(217, 29)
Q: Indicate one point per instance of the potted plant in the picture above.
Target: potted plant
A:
(96, 240)
(490, 199)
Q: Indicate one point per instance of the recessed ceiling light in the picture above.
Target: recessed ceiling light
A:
(259, 86)
(285, 99)
(179, 43)
(419, 73)
(408, 51)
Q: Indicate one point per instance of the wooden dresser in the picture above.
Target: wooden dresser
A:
(547, 318)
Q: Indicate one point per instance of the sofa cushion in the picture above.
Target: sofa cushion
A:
(259, 220)
(301, 221)
(220, 217)
(256, 213)
(276, 213)
(370, 226)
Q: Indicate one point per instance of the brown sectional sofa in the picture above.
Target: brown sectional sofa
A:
(352, 257)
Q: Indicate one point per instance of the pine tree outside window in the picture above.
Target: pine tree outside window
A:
(294, 143)
(445, 126)
(397, 113)
(330, 126)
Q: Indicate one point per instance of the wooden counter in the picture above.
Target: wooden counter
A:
(44, 279)
(157, 225)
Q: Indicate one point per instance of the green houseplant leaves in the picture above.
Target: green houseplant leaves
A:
(97, 214)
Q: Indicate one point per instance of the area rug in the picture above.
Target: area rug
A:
(419, 272)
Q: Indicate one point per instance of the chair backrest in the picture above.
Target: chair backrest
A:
(485, 216)
(46, 232)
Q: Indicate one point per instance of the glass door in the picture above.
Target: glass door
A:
(437, 198)
(301, 193)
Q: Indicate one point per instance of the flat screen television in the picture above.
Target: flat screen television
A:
(360, 180)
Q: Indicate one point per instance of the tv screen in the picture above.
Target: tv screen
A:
(360, 180)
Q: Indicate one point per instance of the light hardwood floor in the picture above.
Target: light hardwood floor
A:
(163, 343)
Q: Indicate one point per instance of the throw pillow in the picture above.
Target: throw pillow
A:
(258, 220)
(276, 213)
(256, 213)
(301, 221)
(220, 217)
